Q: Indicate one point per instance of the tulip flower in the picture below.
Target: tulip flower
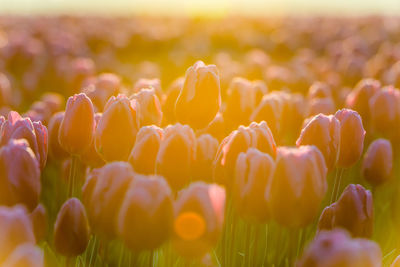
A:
(15, 229)
(319, 90)
(77, 127)
(19, 175)
(169, 100)
(25, 255)
(200, 96)
(378, 162)
(103, 195)
(5, 90)
(298, 186)
(90, 157)
(198, 220)
(71, 230)
(352, 136)
(176, 155)
(321, 105)
(146, 215)
(103, 87)
(206, 150)
(55, 149)
(216, 128)
(353, 211)
(396, 262)
(144, 153)
(324, 132)
(148, 83)
(39, 222)
(253, 172)
(35, 133)
(337, 248)
(117, 128)
(150, 107)
(269, 110)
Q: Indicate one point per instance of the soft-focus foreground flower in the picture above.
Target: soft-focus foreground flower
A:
(200, 96)
(337, 249)
(298, 185)
(39, 222)
(176, 155)
(257, 135)
(146, 215)
(16, 127)
(396, 262)
(103, 194)
(117, 128)
(378, 162)
(150, 107)
(352, 136)
(71, 230)
(77, 127)
(19, 175)
(353, 211)
(199, 217)
(25, 255)
(253, 172)
(56, 152)
(324, 132)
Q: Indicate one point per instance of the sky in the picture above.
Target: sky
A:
(201, 7)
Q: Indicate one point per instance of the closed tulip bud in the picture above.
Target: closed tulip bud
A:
(319, 90)
(396, 262)
(176, 155)
(146, 215)
(5, 91)
(253, 171)
(262, 138)
(144, 153)
(217, 127)
(77, 127)
(207, 147)
(321, 105)
(19, 175)
(90, 157)
(169, 100)
(103, 197)
(53, 101)
(352, 136)
(269, 110)
(15, 229)
(39, 222)
(55, 150)
(378, 162)
(71, 230)
(102, 88)
(298, 186)
(324, 132)
(35, 133)
(353, 211)
(385, 111)
(25, 255)
(200, 96)
(150, 107)
(117, 128)
(148, 83)
(199, 218)
(337, 249)
(358, 99)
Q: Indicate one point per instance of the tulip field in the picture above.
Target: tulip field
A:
(184, 142)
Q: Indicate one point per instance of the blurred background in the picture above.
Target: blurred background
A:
(201, 7)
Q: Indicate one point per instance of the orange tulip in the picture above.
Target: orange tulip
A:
(199, 217)
(146, 215)
(169, 100)
(77, 127)
(269, 110)
(148, 83)
(39, 222)
(71, 230)
(90, 157)
(206, 150)
(396, 262)
(26, 255)
(55, 149)
(200, 96)
(150, 107)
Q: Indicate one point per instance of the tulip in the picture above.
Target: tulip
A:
(19, 175)
(144, 153)
(150, 107)
(77, 127)
(298, 186)
(319, 90)
(102, 88)
(353, 211)
(39, 222)
(90, 157)
(352, 136)
(198, 220)
(148, 83)
(71, 230)
(103, 195)
(23, 128)
(15, 229)
(200, 96)
(337, 249)
(378, 162)
(168, 105)
(216, 128)
(253, 172)
(146, 215)
(324, 132)
(293, 113)
(26, 255)
(269, 110)
(262, 138)
(321, 105)
(53, 101)
(55, 149)
(206, 150)
(396, 262)
(5, 90)
(176, 155)
(116, 131)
